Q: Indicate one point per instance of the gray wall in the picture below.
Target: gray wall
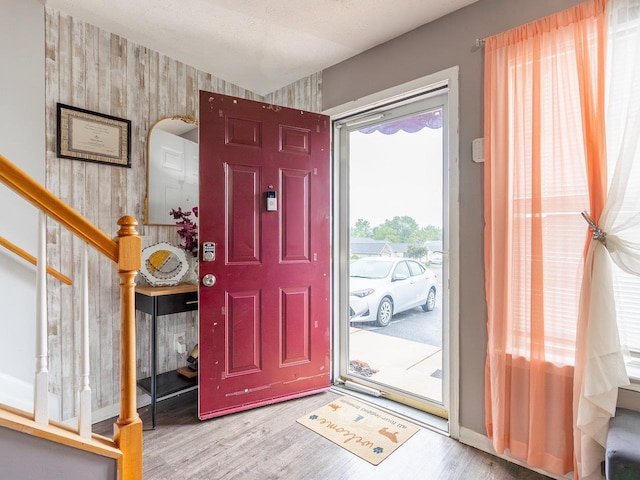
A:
(22, 141)
(433, 47)
(25, 457)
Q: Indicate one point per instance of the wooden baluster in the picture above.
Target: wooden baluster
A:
(128, 428)
(41, 388)
(84, 417)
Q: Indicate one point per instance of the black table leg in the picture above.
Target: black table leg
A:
(154, 360)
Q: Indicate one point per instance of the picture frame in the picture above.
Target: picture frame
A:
(93, 137)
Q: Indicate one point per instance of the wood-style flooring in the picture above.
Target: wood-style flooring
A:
(266, 443)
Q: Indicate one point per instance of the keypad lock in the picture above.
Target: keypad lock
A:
(208, 251)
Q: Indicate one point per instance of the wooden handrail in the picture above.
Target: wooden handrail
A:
(12, 247)
(128, 428)
(125, 251)
(44, 200)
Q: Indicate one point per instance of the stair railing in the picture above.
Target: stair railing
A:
(12, 247)
(124, 251)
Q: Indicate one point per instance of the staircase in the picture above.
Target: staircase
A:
(118, 458)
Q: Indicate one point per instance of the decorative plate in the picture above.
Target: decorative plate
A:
(163, 264)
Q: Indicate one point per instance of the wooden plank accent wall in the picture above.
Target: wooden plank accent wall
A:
(90, 68)
(305, 94)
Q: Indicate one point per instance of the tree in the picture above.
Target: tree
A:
(399, 230)
(431, 232)
(362, 228)
(386, 233)
(416, 251)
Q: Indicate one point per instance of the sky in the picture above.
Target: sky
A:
(396, 175)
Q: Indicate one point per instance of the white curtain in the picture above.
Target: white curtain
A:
(604, 369)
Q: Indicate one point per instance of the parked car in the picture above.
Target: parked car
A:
(380, 287)
(435, 258)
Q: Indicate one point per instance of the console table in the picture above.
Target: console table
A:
(157, 301)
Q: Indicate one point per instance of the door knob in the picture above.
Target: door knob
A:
(209, 280)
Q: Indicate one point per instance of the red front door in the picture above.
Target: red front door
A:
(264, 323)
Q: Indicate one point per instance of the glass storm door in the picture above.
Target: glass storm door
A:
(393, 161)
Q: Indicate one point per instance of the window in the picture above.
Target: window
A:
(401, 269)
(623, 71)
(547, 191)
(627, 295)
(416, 268)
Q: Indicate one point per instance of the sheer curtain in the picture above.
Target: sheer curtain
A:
(544, 164)
(600, 367)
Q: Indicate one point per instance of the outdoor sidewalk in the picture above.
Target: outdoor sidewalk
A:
(407, 365)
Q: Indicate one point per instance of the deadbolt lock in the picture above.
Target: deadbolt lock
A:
(208, 251)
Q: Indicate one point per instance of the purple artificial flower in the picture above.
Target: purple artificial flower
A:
(188, 229)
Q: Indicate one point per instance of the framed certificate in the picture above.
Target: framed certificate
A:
(93, 137)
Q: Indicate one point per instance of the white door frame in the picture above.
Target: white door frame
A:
(448, 78)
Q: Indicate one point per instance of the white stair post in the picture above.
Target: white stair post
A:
(84, 417)
(41, 388)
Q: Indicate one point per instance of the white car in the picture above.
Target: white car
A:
(435, 258)
(380, 287)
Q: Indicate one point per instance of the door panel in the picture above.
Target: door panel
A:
(295, 215)
(294, 303)
(264, 324)
(243, 332)
(402, 292)
(243, 212)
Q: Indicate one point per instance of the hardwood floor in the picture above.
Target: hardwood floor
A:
(267, 443)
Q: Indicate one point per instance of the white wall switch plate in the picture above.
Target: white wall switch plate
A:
(477, 150)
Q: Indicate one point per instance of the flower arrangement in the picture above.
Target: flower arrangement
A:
(188, 230)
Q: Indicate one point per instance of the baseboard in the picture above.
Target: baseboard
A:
(111, 411)
(482, 442)
(19, 394)
(114, 410)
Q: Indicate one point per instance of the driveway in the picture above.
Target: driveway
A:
(402, 364)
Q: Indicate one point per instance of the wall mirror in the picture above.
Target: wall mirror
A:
(172, 168)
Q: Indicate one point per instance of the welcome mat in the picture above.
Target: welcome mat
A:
(370, 433)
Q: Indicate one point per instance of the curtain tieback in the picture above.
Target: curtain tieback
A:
(598, 234)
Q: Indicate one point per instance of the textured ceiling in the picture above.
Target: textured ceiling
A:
(260, 45)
